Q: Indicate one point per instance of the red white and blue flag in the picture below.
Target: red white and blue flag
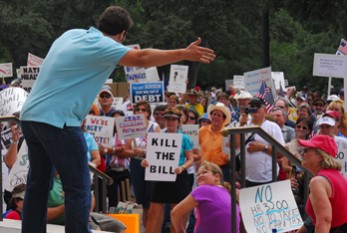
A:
(266, 94)
(342, 49)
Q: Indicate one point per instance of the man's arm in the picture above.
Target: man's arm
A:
(157, 57)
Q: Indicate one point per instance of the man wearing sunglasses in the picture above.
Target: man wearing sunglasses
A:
(75, 68)
(258, 151)
(105, 99)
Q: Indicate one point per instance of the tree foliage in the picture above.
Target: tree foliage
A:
(234, 29)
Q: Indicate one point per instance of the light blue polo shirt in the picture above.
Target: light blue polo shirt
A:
(73, 73)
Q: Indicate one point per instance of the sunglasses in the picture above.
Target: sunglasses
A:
(141, 110)
(192, 118)
(104, 96)
(305, 150)
(301, 127)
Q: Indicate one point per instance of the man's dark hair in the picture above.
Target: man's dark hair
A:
(114, 20)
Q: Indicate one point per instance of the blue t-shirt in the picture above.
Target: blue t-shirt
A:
(187, 144)
(91, 144)
(72, 74)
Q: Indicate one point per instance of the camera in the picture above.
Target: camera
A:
(249, 110)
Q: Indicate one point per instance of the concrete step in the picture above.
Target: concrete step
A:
(14, 226)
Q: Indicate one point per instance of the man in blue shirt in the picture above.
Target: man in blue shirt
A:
(75, 68)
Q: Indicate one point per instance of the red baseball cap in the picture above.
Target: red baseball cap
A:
(323, 142)
(333, 114)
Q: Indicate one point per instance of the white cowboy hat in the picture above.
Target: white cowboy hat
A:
(243, 95)
(221, 107)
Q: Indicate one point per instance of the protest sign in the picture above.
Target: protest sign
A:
(29, 75)
(152, 74)
(178, 78)
(151, 92)
(12, 100)
(6, 138)
(19, 172)
(117, 103)
(131, 126)
(239, 82)
(278, 78)
(341, 156)
(6, 70)
(193, 132)
(228, 82)
(163, 153)
(327, 65)
(101, 128)
(253, 80)
(135, 74)
(34, 60)
(270, 206)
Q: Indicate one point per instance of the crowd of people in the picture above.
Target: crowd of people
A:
(307, 124)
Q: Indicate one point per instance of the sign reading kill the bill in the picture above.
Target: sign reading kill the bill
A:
(270, 206)
(163, 154)
(29, 75)
(101, 128)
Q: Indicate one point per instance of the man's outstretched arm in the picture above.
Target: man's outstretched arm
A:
(157, 57)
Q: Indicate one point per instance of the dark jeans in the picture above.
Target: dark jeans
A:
(65, 150)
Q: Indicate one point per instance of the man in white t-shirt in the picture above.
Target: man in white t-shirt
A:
(258, 151)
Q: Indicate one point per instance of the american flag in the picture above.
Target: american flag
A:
(266, 94)
(342, 49)
(281, 91)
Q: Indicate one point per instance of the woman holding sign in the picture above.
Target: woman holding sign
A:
(327, 204)
(136, 149)
(170, 192)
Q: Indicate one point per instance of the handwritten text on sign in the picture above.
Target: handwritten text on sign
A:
(12, 100)
(163, 153)
(341, 153)
(101, 128)
(270, 206)
(131, 126)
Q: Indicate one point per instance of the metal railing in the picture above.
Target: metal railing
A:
(276, 148)
(99, 178)
(102, 179)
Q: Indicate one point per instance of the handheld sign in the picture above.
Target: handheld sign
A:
(239, 81)
(151, 92)
(101, 128)
(6, 70)
(163, 153)
(131, 126)
(342, 153)
(135, 74)
(19, 172)
(12, 100)
(29, 75)
(253, 80)
(34, 60)
(193, 132)
(270, 206)
(178, 78)
(152, 74)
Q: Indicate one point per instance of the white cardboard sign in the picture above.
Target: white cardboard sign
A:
(328, 65)
(163, 153)
(270, 206)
